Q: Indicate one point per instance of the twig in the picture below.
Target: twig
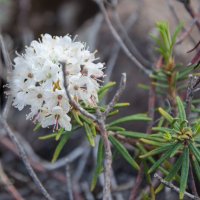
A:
(116, 49)
(9, 186)
(116, 96)
(191, 12)
(25, 159)
(186, 31)
(119, 40)
(8, 65)
(173, 187)
(69, 182)
(99, 119)
(137, 184)
(189, 95)
(130, 43)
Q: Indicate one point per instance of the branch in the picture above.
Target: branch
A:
(8, 65)
(173, 187)
(99, 119)
(119, 40)
(191, 12)
(9, 186)
(130, 43)
(189, 95)
(25, 159)
(117, 95)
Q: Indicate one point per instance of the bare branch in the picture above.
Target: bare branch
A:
(173, 187)
(8, 65)
(130, 43)
(119, 40)
(8, 185)
(25, 159)
(117, 95)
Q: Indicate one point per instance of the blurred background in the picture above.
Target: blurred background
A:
(22, 21)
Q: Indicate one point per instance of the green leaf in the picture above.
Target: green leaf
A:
(99, 165)
(176, 149)
(113, 113)
(195, 151)
(115, 128)
(184, 172)
(151, 142)
(121, 105)
(144, 151)
(90, 135)
(122, 150)
(37, 127)
(164, 157)
(53, 135)
(136, 117)
(76, 117)
(157, 151)
(172, 173)
(181, 109)
(196, 167)
(60, 132)
(174, 37)
(60, 145)
(166, 115)
(103, 90)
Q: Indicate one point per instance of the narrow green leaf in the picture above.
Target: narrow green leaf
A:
(144, 151)
(93, 129)
(89, 133)
(196, 167)
(136, 117)
(113, 113)
(176, 149)
(122, 150)
(138, 135)
(99, 165)
(181, 109)
(172, 173)
(157, 151)
(103, 90)
(60, 132)
(121, 105)
(166, 115)
(76, 117)
(37, 127)
(195, 151)
(115, 128)
(53, 135)
(164, 157)
(151, 142)
(184, 172)
(60, 145)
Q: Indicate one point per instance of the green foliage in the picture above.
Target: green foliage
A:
(166, 42)
(174, 143)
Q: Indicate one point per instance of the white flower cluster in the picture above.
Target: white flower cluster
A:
(37, 79)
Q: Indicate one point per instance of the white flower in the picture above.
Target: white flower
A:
(37, 79)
